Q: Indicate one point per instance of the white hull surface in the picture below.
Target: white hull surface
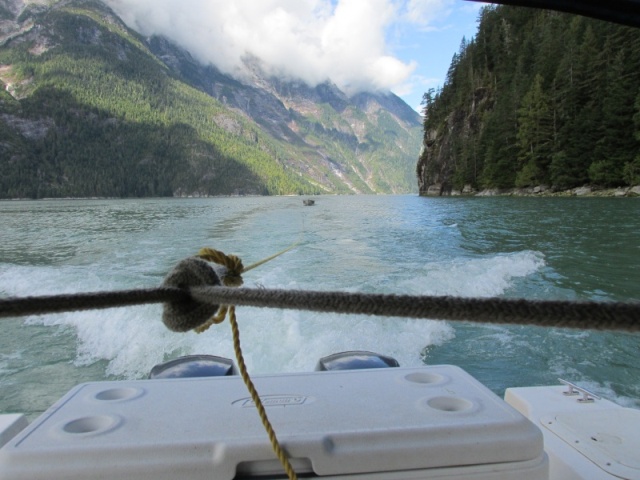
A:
(433, 422)
(593, 439)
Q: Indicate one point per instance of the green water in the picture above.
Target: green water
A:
(537, 248)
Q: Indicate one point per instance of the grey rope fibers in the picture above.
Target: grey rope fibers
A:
(191, 299)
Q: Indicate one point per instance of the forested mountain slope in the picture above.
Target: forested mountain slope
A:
(537, 98)
(89, 108)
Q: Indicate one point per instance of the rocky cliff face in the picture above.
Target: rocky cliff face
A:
(10, 11)
(439, 154)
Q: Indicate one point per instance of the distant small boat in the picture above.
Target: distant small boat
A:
(308, 202)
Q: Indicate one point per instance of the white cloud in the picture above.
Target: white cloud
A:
(424, 13)
(313, 40)
(416, 82)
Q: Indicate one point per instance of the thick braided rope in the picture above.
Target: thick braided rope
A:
(549, 313)
(544, 313)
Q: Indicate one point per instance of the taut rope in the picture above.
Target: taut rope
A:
(544, 313)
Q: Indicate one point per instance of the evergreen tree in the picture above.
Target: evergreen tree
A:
(616, 143)
(535, 136)
(631, 170)
(539, 98)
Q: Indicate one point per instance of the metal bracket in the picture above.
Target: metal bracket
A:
(587, 396)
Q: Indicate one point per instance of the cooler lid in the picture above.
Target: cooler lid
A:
(331, 423)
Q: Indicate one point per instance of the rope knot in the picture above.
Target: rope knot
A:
(185, 315)
(234, 268)
(188, 315)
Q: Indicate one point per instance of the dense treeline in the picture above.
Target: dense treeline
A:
(536, 98)
(95, 114)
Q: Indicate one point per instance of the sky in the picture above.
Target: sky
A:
(404, 46)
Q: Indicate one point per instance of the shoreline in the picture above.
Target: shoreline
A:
(539, 191)
(433, 191)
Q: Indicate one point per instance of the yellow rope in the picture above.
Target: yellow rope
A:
(233, 278)
(217, 318)
(279, 451)
(262, 262)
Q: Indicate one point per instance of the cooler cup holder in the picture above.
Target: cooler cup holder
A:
(93, 425)
(118, 394)
(450, 404)
(424, 378)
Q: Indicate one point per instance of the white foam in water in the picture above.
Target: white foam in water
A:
(477, 277)
(134, 339)
(294, 340)
(5, 359)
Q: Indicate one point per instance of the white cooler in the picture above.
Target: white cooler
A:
(391, 423)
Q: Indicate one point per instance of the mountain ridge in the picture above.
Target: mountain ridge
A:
(148, 116)
(280, 106)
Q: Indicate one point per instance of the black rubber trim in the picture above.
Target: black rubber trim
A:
(625, 12)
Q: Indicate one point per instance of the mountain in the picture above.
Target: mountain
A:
(537, 100)
(90, 108)
(368, 142)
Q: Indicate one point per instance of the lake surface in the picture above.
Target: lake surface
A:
(536, 248)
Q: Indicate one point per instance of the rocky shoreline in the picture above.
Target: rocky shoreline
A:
(539, 191)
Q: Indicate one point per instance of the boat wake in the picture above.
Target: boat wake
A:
(134, 339)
